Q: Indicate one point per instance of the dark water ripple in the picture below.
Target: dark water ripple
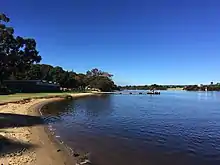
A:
(178, 128)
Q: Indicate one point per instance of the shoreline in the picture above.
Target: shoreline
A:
(51, 147)
(46, 148)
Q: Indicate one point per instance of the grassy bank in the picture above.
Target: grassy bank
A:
(20, 96)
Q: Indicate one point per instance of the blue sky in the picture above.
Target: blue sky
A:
(139, 41)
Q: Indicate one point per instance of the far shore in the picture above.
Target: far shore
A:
(25, 140)
(175, 89)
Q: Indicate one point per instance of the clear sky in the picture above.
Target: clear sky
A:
(139, 41)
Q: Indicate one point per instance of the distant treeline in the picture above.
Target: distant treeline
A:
(149, 87)
(215, 87)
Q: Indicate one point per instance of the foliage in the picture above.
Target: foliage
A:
(66, 79)
(191, 88)
(16, 53)
(213, 87)
(157, 87)
(18, 58)
(102, 83)
(97, 72)
(145, 87)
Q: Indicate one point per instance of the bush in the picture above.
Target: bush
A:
(5, 91)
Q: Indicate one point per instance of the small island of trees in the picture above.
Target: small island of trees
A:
(144, 87)
(211, 87)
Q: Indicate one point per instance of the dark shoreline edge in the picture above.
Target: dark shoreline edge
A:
(36, 110)
(52, 135)
(66, 152)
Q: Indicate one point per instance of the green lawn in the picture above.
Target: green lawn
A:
(19, 96)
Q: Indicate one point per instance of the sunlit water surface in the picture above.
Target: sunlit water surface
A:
(174, 128)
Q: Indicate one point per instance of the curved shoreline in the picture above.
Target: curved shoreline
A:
(47, 149)
(59, 154)
(63, 154)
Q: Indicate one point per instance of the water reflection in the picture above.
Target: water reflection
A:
(53, 111)
(58, 107)
(173, 128)
(94, 106)
(205, 95)
(99, 106)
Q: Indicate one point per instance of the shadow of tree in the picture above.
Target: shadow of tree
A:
(8, 120)
(11, 148)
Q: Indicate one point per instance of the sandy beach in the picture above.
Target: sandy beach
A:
(24, 136)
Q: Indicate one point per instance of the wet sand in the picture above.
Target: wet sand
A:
(25, 140)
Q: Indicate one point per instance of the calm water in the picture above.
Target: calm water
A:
(178, 128)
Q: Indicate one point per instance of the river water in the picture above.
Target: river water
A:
(174, 128)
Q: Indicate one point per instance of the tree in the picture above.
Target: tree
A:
(81, 80)
(97, 72)
(16, 53)
(103, 83)
(69, 80)
(45, 70)
(57, 74)
(19, 58)
(34, 73)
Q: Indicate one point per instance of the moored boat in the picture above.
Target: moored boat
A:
(153, 93)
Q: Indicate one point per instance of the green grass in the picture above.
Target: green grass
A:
(20, 96)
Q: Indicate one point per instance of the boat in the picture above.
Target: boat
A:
(152, 92)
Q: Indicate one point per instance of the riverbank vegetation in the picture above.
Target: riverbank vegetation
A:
(214, 87)
(19, 60)
(211, 87)
(150, 87)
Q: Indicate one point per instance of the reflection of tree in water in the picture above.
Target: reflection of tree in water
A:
(98, 105)
(55, 110)
(201, 95)
(93, 106)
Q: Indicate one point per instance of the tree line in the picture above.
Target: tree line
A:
(19, 60)
(94, 78)
(214, 87)
(144, 87)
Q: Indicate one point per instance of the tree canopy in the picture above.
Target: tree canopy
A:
(19, 61)
(16, 53)
(66, 79)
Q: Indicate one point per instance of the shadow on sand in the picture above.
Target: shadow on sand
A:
(8, 120)
(11, 148)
